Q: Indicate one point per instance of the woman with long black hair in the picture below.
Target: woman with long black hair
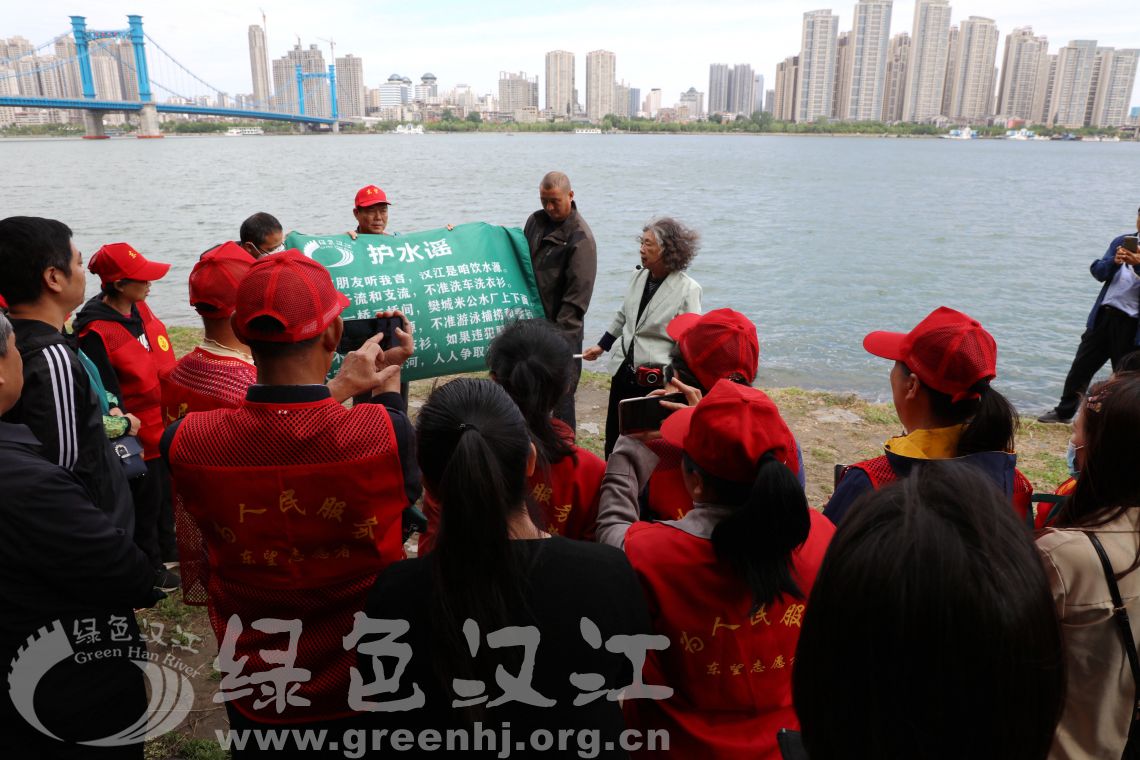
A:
(1101, 515)
(498, 597)
(728, 582)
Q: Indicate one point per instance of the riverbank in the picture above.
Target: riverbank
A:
(830, 428)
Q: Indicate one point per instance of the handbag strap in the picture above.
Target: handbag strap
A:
(1121, 616)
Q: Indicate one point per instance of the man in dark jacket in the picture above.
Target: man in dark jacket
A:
(1112, 330)
(42, 279)
(69, 580)
(565, 261)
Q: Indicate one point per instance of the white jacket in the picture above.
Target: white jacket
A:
(677, 294)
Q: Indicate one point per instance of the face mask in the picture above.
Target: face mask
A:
(1071, 459)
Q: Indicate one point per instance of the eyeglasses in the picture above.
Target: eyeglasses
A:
(276, 249)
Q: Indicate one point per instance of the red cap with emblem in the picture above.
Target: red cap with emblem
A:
(370, 195)
(120, 261)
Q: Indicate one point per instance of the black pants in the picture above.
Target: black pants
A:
(1113, 335)
(564, 409)
(622, 386)
(147, 492)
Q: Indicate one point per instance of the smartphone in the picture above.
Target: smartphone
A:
(357, 331)
(791, 745)
(639, 415)
(1130, 243)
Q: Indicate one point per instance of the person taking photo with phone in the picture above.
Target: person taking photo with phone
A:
(1112, 329)
(660, 290)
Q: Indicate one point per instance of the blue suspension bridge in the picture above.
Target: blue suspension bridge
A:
(186, 93)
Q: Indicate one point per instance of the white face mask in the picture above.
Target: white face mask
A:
(1071, 459)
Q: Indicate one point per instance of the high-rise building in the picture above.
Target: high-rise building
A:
(894, 79)
(719, 77)
(1114, 82)
(600, 68)
(863, 78)
(1069, 104)
(742, 90)
(634, 101)
(769, 101)
(926, 69)
(560, 83)
(1021, 66)
(694, 101)
(316, 91)
(350, 86)
(105, 72)
(652, 103)
(1043, 95)
(396, 92)
(65, 51)
(427, 89)
(757, 94)
(973, 94)
(787, 88)
(517, 91)
(842, 93)
(259, 65)
(621, 100)
(816, 93)
(951, 71)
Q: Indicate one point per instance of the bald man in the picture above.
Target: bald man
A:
(565, 261)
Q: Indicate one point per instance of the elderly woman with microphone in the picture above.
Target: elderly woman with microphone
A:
(659, 291)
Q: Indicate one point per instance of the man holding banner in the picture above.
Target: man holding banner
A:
(564, 257)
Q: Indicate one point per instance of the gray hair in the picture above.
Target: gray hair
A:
(5, 331)
(679, 243)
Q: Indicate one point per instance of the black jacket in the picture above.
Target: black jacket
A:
(59, 405)
(69, 582)
(565, 261)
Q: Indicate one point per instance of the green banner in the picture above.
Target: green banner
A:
(457, 287)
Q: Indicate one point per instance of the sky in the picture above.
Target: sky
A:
(658, 43)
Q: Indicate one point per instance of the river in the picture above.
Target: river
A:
(819, 240)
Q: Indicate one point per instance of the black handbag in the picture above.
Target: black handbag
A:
(130, 453)
(1132, 748)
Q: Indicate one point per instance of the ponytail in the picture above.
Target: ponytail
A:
(472, 447)
(768, 521)
(991, 421)
(532, 362)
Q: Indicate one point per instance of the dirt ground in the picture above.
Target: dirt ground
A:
(830, 428)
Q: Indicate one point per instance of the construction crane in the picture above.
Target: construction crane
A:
(332, 49)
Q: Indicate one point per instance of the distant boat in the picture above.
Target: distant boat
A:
(409, 129)
(242, 131)
(965, 133)
(587, 131)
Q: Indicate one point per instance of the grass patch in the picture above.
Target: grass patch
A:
(823, 454)
(846, 400)
(879, 414)
(185, 339)
(176, 746)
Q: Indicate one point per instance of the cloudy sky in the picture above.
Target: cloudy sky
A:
(659, 43)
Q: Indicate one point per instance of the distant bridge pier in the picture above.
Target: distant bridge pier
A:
(93, 121)
(148, 122)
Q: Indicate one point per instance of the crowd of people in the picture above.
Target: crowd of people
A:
(681, 586)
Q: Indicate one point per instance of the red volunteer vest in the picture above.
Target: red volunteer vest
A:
(565, 495)
(138, 369)
(299, 507)
(731, 672)
(880, 473)
(202, 381)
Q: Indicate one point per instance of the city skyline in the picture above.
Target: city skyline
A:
(658, 45)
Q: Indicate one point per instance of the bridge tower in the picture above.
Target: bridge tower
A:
(93, 118)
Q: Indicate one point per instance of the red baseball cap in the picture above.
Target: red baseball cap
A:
(119, 261)
(291, 288)
(716, 345)
(949, 351)
(214, 279)
(729, 430)
(370, 195)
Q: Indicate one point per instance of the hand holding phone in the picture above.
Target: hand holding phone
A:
(357, 331)
(640, 415)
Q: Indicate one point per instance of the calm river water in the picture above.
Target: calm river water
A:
(818, 240)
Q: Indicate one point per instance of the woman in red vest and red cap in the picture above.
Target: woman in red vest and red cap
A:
(727, 583)
(130, 347)
(941, 389)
